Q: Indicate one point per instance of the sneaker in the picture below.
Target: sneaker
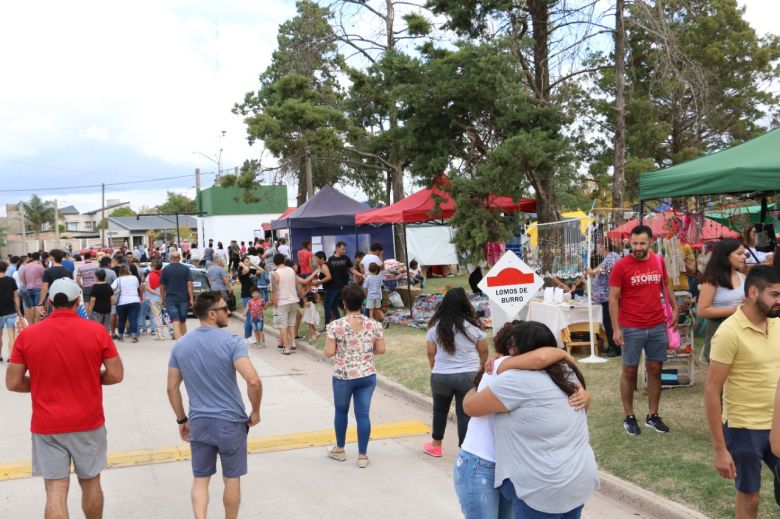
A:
(363, 462)
(655, 423)
(432, 450)
(385, 324)
(251, 340)
(115, 337)
(631, 426)
(153, 332)
(337, 454)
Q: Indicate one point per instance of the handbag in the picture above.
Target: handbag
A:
(672, 334)
(117, 292)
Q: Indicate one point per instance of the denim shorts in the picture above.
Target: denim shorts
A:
(25, 296)
(652, 340)
(257, 325)
(177, 311)
(474, 478)
(212, 436)
(7, 321)
(748, 448)
(35, 295)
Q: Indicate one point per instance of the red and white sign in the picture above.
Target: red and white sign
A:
(510, 284)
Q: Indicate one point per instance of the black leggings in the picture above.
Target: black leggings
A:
(608, 325)
(443, 388)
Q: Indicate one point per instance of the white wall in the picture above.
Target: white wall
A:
(239, 227)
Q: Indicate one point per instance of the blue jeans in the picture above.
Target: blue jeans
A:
(343, 390)
(264, 294)
(128, 312)
(146, 311)
(474, 478)
(521, 510)
(247, 318)
(332, 297)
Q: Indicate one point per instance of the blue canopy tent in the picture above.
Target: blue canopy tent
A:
(328, 217)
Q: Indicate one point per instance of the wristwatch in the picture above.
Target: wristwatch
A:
(182, 421)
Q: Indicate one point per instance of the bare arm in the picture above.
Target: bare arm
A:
(113, 373)
(275, 293)
(325, 270)
(379, 346)
(431, 347)
(614, 301)
(189, 291)
(534, 360)
(177, 404)
(482, 349)
(330, 347)
(254, 387)
(90, 305)
(16, 378)
(774, 435)
(44, 293)
(482, 403)
(717, 373)
(704, 306)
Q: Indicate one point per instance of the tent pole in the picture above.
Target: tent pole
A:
(641, 212)
(408, 283)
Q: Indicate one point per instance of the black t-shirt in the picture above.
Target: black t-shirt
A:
(102, 293)
(339, 272)
(7, 289)
(247, 281)
(52, 274)
(175, 277)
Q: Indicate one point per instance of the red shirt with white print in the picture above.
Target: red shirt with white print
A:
(640, 290)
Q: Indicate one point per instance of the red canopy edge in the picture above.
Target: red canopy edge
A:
(421, 207)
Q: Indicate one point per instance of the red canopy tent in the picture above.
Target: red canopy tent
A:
(421, 206)
(711, 229)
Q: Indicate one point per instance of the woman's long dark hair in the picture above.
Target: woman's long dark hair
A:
(451, 317)
(718, 269)
(525, 336)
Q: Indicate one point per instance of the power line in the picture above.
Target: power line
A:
(92, 186)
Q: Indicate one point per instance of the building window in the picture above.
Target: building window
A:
(72, 226)
(88, 225)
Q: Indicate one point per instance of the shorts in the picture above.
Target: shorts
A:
(748, 448)
(374, 303)
(7, 321)
(25, 295)
(257, 325)
(212, 436)
(285, 315)
(35, 295)
(652, 340)
(177, 311)
(53, 453)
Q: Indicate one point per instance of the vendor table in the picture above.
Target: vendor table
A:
(558, 317)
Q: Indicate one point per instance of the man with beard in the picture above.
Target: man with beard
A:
(744, 368)
(206, 360)
(635, 288)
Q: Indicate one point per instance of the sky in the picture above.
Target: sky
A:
(139, 93)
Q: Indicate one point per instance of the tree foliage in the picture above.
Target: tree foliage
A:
(37, 214)
(177, 203)
(122, 211)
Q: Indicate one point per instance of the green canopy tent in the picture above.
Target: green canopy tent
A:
(748, 167)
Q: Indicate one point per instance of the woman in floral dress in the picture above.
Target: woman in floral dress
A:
(353, 341)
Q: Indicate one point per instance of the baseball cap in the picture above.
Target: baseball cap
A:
(65, 286)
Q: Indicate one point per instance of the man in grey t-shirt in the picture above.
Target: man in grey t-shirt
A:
(207, 360)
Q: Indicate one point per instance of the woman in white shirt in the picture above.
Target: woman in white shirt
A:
(128, 303)
(722, 287)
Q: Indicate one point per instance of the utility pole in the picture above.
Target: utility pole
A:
(56, 224)
(24, 228)
(198, 205)
(102, 214)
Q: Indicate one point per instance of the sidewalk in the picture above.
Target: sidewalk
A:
(290, 480)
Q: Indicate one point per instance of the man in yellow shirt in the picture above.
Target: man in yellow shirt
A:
(745, 366)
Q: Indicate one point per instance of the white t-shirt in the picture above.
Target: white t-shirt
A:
(128, 289)
(753, 255)
(479, 436)
(368, 259)
(284, 249)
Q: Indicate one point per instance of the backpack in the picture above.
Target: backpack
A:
(263, 280)
(231, 301)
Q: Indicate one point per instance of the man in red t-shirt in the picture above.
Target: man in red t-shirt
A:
(64, 355)
(304, 258)
(635, 288)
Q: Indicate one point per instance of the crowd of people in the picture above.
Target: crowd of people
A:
(522, 427)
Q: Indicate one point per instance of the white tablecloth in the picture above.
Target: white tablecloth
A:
(558, 317)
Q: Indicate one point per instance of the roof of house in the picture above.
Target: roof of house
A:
(106, 208)
(68, 209)
(146, 222)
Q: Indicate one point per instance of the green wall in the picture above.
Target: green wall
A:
(217, 200)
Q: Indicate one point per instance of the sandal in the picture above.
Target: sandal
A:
(135, 339)
(286, 352)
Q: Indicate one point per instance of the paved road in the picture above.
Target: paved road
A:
(298, 483)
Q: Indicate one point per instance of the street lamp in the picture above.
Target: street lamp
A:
(217, 161)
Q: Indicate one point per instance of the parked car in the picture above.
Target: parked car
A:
(200, 280)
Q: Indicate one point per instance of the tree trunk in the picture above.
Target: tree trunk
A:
(619, 173)
(301, 198)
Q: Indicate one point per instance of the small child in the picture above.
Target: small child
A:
(415, 273)
(311, 316)
(263, 281)
(99, 308)
(373, 286)
(255, 306)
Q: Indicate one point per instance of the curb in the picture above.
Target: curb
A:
(641, 500)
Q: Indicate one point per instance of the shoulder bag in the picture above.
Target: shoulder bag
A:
(672, 334)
